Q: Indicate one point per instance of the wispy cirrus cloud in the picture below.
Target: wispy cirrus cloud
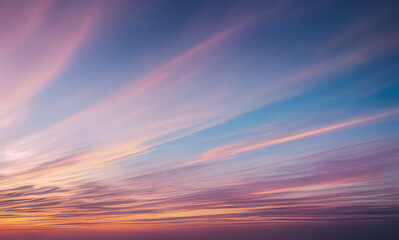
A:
(240, 122)
(36, 52)
(152, 117)
(238, 148)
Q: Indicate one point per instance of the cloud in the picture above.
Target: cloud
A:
(135, 153)
(239, 148)
(41, 49)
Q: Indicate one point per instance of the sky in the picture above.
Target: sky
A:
(160, 115)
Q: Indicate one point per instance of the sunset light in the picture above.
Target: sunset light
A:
(199, 119)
